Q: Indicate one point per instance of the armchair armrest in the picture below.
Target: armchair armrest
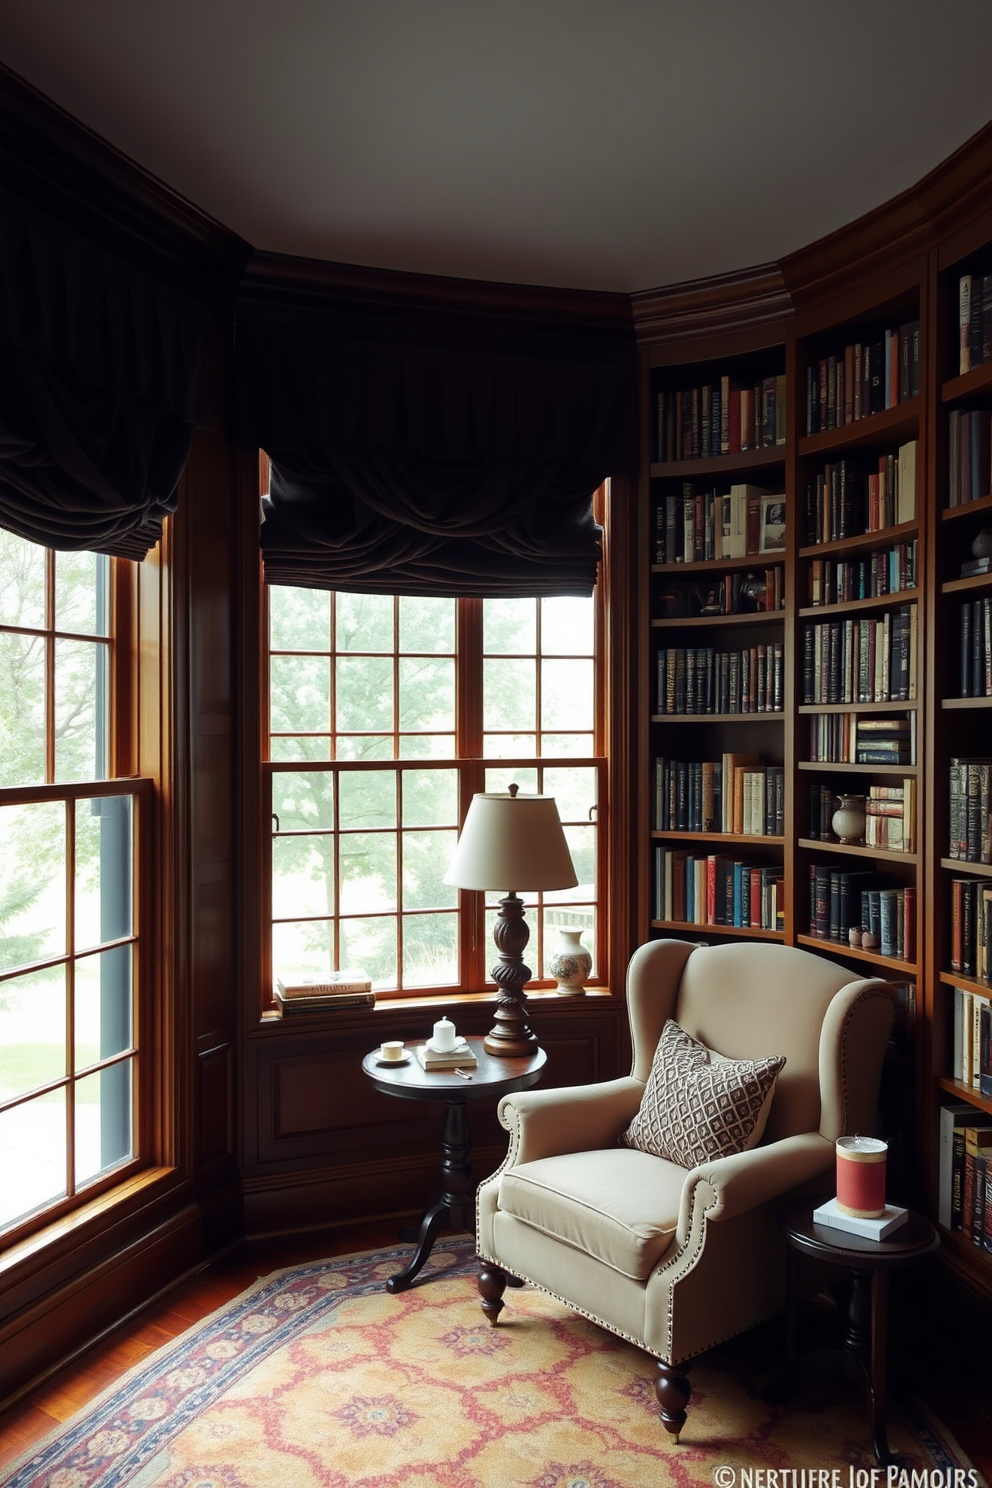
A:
(578, 1118)
(747, 1179)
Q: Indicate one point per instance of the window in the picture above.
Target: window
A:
(68, 920)
(386, 714)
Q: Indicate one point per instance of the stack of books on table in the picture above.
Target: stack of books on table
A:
(460, 1057)
(336, 989)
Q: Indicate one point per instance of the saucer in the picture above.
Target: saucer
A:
(460, 1046)
(405, 1059)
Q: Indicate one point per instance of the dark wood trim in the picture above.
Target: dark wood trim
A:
(750, 307)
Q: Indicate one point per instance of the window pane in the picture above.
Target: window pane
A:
(430, 950)
(567, 626)
(32, 882)
(364, 693)
(430, 798)
(426, 856)
(582, 845)
(574, 792)
(103, 1021)
(427, 624)
(287, 747)
(573, 746)
(22, 710)
(509, 695)
(365, 747)
(303, 800)
(302, 948)
(567, 696)
(299, 619)
(427, 693)
(82, 593)
(367, 798)
(32, 1032)
(103, 1121)
(502, 778)
(368, 872)
(371, 944)
(364, 622)
(302, 876)
(103, 870)
(82, 701)
(509, 626)
(32, 1156)
(508, 746)
(300, 688)
(22, 581)
(427, 746)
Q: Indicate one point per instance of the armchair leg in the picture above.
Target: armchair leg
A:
(672, 1389)
(492, 1285)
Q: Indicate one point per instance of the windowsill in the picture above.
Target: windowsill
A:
(357, 1017)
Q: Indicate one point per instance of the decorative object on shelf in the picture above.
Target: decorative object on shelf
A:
(855, 935)
(981, 546)
(861, 1165)
(848, 821)
(509, 838)
(754, 590)
(571, 963)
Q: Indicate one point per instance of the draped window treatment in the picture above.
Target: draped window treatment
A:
(102, 378)
(432, 453)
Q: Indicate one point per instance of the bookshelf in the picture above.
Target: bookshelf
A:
(885, 493)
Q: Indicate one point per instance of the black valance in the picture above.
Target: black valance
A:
(102, 377)
(428, 441)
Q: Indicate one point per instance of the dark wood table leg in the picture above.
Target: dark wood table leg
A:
(791, 1314)
(879, 1364)
(454, 1208)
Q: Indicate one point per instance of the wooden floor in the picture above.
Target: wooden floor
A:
(959, 1394)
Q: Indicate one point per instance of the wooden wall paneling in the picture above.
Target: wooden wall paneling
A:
(623, 723)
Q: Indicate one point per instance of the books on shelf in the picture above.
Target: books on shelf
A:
(890, 815)
(975, 648)
(972, 1040)
(950, 1162)
(714, 889)
(851, 497)
(850, 738)
(971, 927)
(969, 455)
(866, 659)
(322, 1002)
(842, 900)
(700, 679)
(460, 1057)
(732, 794)
(866, 377)
(699, 526)
(974, 320)
(886, 571)
(743, 592)
(723, 417)
(970, 810)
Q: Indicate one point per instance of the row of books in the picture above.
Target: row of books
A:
(971, 927)
(974, 321)
(843, 900)
(865, 378)
(735, 793)
(868, 659)
(850, 739)
(969, 445)
(970, 810)
(888, 571)
(718, 890)
(742, 592)
(700, 679)
(964, 1173)
(347, 988)
(850, 497)
(975, 649)
(971, 1042)
(699, 526)
(890, 815)
(721, 418)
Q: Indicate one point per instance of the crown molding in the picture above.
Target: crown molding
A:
(747, 301)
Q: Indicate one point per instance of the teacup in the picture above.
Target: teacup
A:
(392, 1050)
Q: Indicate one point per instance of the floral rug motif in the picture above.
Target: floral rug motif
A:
(316, 1377)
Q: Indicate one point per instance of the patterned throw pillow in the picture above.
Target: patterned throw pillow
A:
(693, 1110)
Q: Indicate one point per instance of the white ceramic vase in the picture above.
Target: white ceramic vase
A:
(570, 964)
(848, 821)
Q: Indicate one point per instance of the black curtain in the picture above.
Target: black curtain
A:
(439, 451)
(102, 378)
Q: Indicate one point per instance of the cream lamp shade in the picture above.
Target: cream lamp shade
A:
(511, 842)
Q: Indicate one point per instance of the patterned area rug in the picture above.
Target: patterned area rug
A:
(317, 1378)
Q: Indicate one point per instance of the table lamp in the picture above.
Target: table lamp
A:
(510, 839)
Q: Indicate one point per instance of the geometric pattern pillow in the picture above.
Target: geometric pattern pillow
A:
(693, 1110)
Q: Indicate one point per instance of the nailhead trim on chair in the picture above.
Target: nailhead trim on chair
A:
(867, 995)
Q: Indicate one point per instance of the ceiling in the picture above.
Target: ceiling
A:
(598, 144)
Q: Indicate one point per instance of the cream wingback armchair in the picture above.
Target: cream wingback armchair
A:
(676, 1259)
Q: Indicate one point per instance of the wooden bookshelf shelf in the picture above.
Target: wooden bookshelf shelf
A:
(736, 932)
(718, 718)
(891, 426)
(978, 380)
(853, 606)
(890, 707)
(862, 542)
(720, 565)
(965, 1093)
(721, 465)
(968, 983)
(966, 703)
(967, 509)
(821, 767)
(966, 870)
(705, 622)
(961, 586)
(873, 958)
(816, 845)
(729, 837)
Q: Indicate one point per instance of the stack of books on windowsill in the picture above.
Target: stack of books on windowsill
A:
(337, 989)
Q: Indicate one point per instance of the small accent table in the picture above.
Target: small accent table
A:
(494, 1077)
(863, 1356)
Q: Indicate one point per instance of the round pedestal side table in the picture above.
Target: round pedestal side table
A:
(493, 1077)
(864, 1353)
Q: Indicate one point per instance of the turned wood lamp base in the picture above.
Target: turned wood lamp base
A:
(511, 1034)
